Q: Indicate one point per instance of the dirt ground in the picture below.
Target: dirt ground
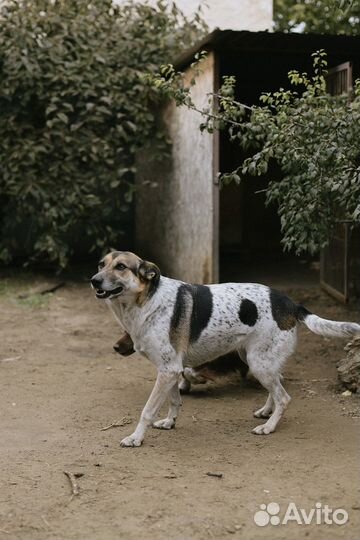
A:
(61, 383)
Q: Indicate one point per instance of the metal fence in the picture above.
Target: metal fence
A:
(340, 262)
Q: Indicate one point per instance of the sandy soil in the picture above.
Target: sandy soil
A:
(61, 383)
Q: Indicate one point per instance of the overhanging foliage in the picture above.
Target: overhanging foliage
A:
(312, 136)
(318, 16)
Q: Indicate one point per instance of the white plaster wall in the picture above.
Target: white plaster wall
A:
(233, 14)
(252, 15)
(176, 221)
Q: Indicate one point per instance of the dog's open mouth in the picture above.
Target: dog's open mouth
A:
(100, 293)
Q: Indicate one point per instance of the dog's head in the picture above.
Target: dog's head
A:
(126, 277)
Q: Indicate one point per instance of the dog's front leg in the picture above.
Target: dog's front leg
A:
(164, 382)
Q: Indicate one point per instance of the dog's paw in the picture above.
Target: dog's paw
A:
(184, 386)
(166, 423)
(262, 413)
(131, 441)
(263, 429)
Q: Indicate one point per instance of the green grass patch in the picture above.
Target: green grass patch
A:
(34, 301)
(22, 284)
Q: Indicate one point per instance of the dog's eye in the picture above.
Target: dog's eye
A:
(101, 265)
(120, 266)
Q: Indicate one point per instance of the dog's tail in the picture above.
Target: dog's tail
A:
(325, 327)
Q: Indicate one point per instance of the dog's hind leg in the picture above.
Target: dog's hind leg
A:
(174, 406)
(265, 363)
(278, 397)
(265, 411)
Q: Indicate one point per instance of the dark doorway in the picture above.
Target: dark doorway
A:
(250, 232)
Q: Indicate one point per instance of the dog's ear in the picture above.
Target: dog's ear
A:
(149, 271)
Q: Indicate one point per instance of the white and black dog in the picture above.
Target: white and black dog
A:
(177, 326)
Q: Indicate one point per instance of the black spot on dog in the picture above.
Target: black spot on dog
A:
(285, 312)
(201, 311)
(184, 325)
(248, 313)
(179, 307)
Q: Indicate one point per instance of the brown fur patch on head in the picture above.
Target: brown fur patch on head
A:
(106, 261)
(112, 261)
(146, 274)
(130, 260)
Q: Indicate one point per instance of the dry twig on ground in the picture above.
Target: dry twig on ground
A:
(72, 479)
(123, 422)
(216, 475)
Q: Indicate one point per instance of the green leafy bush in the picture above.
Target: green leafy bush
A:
(74, 110)
(313, 137)
(318, 16)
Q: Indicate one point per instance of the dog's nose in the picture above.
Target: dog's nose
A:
(96, 281)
